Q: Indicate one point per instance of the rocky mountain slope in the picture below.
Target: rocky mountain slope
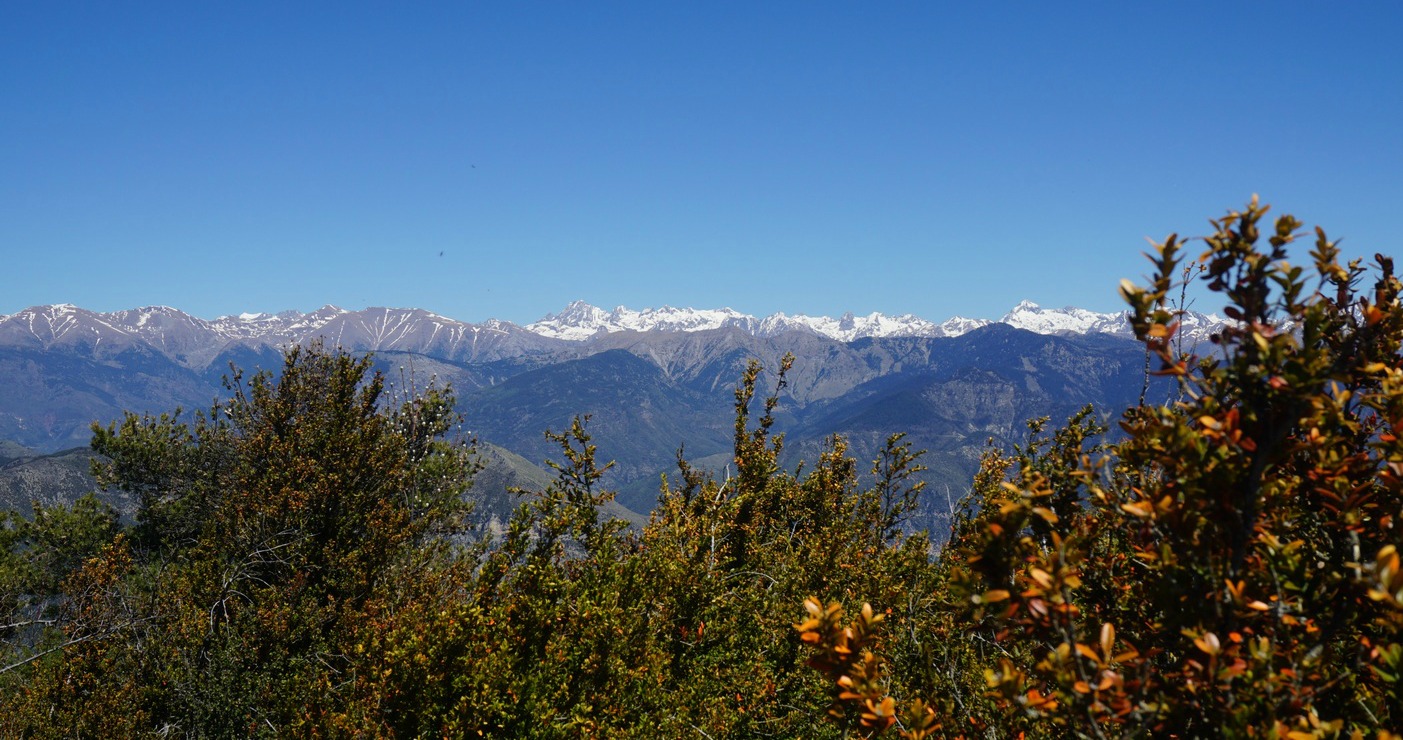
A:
(59, 478)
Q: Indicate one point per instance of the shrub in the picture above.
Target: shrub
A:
(1230, 567)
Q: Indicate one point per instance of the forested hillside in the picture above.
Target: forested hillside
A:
(303, 562)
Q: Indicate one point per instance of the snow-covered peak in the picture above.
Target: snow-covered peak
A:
(1032, 317)
(849, 327)
(577, 321)
(957, 325)
(579, 312)
(580, 320)
(1194, 328)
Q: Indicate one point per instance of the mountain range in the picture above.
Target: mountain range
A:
(189, 340)
(651, 380)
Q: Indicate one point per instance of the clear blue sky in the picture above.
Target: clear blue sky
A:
(930, 158)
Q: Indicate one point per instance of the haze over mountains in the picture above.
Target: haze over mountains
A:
(651, 380)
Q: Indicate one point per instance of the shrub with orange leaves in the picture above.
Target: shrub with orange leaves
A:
(1227, 567)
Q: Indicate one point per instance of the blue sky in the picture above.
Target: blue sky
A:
(927, 158)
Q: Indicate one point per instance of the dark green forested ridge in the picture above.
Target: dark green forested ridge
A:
(302, 562)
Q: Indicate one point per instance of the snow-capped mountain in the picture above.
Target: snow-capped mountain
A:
(193, 341)
(848, 327)
(1194, 327)
(1032, 317)
(580, 321)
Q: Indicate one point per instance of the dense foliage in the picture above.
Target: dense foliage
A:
(270, 531)
(1229, 568)
(303, 564)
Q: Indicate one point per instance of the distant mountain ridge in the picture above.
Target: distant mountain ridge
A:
(192, 341)
(580, 321)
